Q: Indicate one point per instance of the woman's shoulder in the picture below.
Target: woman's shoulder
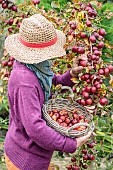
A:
(21, 75)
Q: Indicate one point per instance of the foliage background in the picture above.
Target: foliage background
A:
(104, 137)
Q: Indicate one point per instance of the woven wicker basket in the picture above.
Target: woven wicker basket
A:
(61, 103)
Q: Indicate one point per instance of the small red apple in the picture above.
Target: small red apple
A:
(10, 63)
(83, 63)
(10, 30)
(98, 86)
(89, 101)
(36, 2)
(91, 157)
(73, 159)
(59, 121)
(14, 8)
(93, 57)
(55, 111)
(90, 145)
(94, 48)
(88, 23)
(110, 68)
(76, 168)
(84, 151)
(93, 89)
(103, 101)
(75, 49)
(81, 50)
(85, 157)
(91, 77)
(96, 52)
(85, 94)
(100, 44)
(92, 38)
(76, 116)
(81, 117)
(86, 76)
(11, 20)
(106, 71)
(4, 5)
(88, 88)
(73, 26)
(4, 63)
(69, 167)
(82, 101)
(101, 71)
(96, 34)
(83, 35)
(82, 78)
(11, 58)
(74, 121)
(56, 115)
(102, 31)
(67, 120)
(62, 118)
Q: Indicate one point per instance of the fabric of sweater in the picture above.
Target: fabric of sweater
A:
(29, 142)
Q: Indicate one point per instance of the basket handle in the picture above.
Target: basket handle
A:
(77, 125)
(91, 127)
(66, 88)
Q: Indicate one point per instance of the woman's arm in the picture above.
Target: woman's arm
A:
(64, 79)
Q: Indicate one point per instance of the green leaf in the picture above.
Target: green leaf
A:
(1, 140)
(107, 60)
(19, 2)
(103, 86)
(101, 122)
(77, 6)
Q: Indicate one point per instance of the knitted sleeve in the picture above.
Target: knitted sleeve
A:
(64, 79)
(35, 126)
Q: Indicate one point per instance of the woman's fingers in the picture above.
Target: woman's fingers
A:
(82, 57)
(77, 59)
(76, 69)
(82, 140)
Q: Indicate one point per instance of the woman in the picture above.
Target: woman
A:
(30, 143)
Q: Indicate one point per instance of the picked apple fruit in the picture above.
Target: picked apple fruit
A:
(68, 118)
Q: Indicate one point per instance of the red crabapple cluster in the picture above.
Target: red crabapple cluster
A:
(87, 157)
(10, 23)
(89, 42)
(8, 5)
(7, 64)
(86, 39)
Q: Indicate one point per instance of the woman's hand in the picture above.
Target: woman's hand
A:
(82, 140)
(76, 69)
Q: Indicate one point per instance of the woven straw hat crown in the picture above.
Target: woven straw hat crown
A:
(37, 29)
(36, 41)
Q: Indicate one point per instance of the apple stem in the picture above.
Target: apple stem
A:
(86, 16)
(91, 48)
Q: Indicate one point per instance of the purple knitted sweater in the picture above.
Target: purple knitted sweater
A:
(29, 142)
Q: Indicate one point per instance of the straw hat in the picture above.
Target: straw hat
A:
(36, 41)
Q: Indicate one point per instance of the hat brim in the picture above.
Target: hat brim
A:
(35, 55)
